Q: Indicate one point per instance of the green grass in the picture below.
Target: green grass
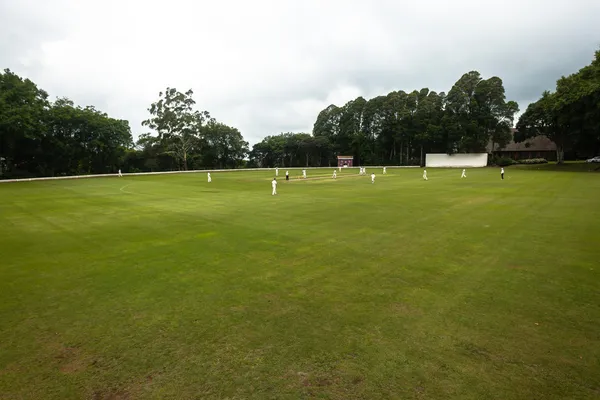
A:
(569, 166)
(166, 287)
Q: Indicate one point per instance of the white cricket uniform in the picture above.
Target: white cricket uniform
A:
(502, 173)
(384, 170)
(340, 168)
(209, 178)
(464, 174)
(304, 173)
(274, 186)
(120, 174)
(372, 178)
(276, 171)
(334, 174)
(425, 174)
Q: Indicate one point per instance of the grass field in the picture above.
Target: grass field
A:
(167, 287)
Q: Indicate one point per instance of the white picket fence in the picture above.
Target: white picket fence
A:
(190, 172)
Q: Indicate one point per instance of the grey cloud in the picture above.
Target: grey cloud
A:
(263, 61)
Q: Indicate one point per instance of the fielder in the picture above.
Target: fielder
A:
(502, 173)
(373, 178)
(120, 174)
(425, 174)
(464, 174)
(209, 178)
(384, 170)
(276, 171)
(340, 168)
(274, 186)
(287, 175)
(334, 174)
(304, 173)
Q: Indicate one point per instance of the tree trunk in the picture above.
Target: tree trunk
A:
(560, 154)
(421, 155)
(401, 143)
(185, 160)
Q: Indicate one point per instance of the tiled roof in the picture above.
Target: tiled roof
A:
(538, 143)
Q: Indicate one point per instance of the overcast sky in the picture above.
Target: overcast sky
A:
(270, 66)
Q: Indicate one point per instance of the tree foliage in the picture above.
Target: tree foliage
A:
(178, 125)
(188, 138)
(38, 137)
(43, 138)
(400, 127)
(569, 116)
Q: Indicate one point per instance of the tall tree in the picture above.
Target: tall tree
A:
(22, 111)
(83, 140)
(327, 126)
(177, 123)
(569, 116)
(224, 146)
(479, 109)
(541, 118)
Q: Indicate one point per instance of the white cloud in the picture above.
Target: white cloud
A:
(269, 66)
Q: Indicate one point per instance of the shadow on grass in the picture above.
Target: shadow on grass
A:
(569, 166)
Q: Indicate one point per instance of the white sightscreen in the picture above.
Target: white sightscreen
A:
(456, 160)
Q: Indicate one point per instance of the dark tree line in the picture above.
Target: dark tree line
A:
(569, 116)
(399, 128)
(186, 138)
(43, 138)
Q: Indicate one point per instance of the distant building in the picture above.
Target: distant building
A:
(536, 147)
(345, 161)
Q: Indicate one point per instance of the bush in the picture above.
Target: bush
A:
(504, 161)
(534, 161)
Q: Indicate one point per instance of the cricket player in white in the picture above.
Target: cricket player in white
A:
(502, 173)
(464, 174)
(120, 174)
(372, 178)
(425, 174)
(334, 174)
(274, 186)
(304, 173)
(209, 178)
(276, 171)
(340, 168)
(287, 175)
(384, 170)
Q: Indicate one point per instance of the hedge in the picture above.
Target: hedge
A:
(534, 161)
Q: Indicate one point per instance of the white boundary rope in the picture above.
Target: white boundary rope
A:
(191, 172)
